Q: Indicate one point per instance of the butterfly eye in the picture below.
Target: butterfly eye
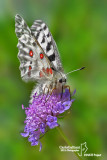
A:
(60, 81)
(41, 56)
(31, 53)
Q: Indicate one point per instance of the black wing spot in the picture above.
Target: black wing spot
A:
(43, 40)
(52, 57)
(53, 69)
(48, 35)
(37, 35)
(48, 46)
(45, 27)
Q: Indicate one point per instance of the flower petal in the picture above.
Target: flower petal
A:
(40, 146)
(67, 104)
(25, 134)
(23, 106)
(73, 92)
(35, 143)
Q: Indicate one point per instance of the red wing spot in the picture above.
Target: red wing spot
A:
(50, 70)
(41, 74)
(41, 56)
(43, 69)
(30, 67)
(47, 70)
(31, 53)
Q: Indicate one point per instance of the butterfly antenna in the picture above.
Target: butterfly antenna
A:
(75, 70)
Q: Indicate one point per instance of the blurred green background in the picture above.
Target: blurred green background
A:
(79, 28)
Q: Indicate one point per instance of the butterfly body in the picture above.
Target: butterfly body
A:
(39, 57)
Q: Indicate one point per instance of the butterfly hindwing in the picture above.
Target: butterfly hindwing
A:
(34, 63)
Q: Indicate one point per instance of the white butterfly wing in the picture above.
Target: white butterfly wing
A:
(42, 34)
(34, 63)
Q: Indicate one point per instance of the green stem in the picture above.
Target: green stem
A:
(67, 140)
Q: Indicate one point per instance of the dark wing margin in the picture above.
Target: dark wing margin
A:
(42, 34)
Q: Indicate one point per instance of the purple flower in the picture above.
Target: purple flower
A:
(42, 127)
(42, 115)
(51, 121)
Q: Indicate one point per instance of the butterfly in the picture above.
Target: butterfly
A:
(39, 57)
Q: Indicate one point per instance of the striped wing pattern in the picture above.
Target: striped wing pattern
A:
(32, 67)
(42, 34)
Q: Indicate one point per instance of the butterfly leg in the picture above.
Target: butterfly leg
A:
(62, 91)
(69, 89)
(64, 87)
(52, 89)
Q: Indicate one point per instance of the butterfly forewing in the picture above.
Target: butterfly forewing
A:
(42, 34)
(34, 63)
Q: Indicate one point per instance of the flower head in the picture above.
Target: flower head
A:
(42, 114)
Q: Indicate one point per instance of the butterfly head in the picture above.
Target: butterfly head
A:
(62, 79)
